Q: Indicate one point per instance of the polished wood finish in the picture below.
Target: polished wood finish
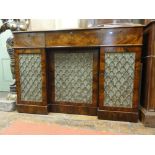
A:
(32, 109)
(105, 37)
(29, 40)
(148, 84)
(120, 113)
(44, 79)
(117, 36)
(69, 107)
(147, 110)
(119, 39)
(72, 109)
(148, 40)
(73, 38)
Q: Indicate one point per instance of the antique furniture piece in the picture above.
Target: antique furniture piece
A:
(94, 71)
(147, 112)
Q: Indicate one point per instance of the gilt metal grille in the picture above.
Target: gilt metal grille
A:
(74, 77)
(30, 77)
(119, 79)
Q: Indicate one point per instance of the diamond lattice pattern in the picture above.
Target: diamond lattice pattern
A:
(30, 77)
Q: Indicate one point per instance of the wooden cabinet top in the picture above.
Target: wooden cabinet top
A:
(100, 36)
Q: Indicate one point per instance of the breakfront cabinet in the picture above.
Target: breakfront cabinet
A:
(93, 71)
(147, 109)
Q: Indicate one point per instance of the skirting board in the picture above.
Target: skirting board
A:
(32, 109)
(70, 109)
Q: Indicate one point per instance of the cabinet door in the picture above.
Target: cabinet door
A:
(119, 78)
(73, 79)
(31, 79)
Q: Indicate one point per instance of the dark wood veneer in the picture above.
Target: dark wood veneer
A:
(147, 110)
(94, 37)
(29, 40)
(84, 108)
(44, 78)
(72, 109)
(120, 113)
(32, 109)
(117, 39)
(86, 37)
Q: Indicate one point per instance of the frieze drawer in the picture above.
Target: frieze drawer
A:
(73, 38)
(29, 40)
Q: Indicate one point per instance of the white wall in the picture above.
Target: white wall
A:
(49, 24)
(5, 70)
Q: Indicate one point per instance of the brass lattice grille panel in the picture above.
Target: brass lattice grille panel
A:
(73, 77)
(119, 79)
(30, 77)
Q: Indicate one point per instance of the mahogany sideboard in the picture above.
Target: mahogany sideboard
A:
(93, 71)
(147, 109)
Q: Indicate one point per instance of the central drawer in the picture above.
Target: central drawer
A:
(73, 38)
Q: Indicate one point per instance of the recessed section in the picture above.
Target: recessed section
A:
(73, 77)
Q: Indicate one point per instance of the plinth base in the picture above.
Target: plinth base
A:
(147, 117)
(118, 115)
(70, 109)
(32, 109)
